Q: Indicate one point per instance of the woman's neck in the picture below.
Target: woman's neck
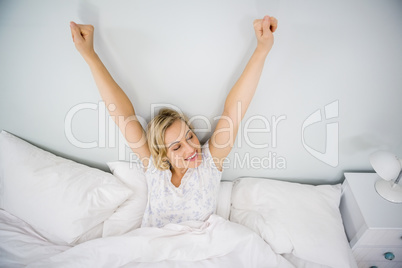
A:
(177, 176)
(178, 172)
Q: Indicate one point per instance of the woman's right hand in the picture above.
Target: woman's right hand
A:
(264, 30)
(83, 38)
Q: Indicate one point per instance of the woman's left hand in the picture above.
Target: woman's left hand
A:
(263, 31)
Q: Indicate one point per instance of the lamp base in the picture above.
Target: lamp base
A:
(389, 190)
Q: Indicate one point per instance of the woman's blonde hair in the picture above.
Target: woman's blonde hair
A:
(156, 135)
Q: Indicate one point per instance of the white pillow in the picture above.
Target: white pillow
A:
(129, 215)
(59, 198)
(293, 218)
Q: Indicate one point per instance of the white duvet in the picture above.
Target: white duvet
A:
(214, 243)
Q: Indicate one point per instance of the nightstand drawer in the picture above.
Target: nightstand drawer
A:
(376, 254)
(379, 264)
(379, 238)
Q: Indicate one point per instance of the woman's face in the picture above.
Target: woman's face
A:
(183, 146)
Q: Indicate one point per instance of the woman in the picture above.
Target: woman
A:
(182, 177)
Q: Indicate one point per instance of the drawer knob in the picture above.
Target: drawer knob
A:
(389, 256)
(373, 267)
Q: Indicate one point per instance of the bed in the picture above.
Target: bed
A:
(55, 212)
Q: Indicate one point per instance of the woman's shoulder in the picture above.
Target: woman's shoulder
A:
(152, 170)
(205, 150)
(208, 161)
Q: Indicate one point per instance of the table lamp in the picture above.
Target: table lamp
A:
(389, 167)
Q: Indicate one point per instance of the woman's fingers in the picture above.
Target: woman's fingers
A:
(83, 38)
(75, 32)
(257, 24)
(263, 31)
(272, 23)
(266, 23)
(81, 32)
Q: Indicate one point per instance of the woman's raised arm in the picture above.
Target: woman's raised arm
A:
(241, 94)
(116, 101)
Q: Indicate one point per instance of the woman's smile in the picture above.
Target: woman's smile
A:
(192, 157)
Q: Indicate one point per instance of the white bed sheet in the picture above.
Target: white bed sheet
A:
(21, 245)
(219, 243)
(300, 263)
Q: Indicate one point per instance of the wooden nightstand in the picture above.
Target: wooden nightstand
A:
(373, 225)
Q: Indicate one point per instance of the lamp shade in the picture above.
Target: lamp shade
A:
(385, 164)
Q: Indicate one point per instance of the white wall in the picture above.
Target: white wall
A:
(189, 54)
